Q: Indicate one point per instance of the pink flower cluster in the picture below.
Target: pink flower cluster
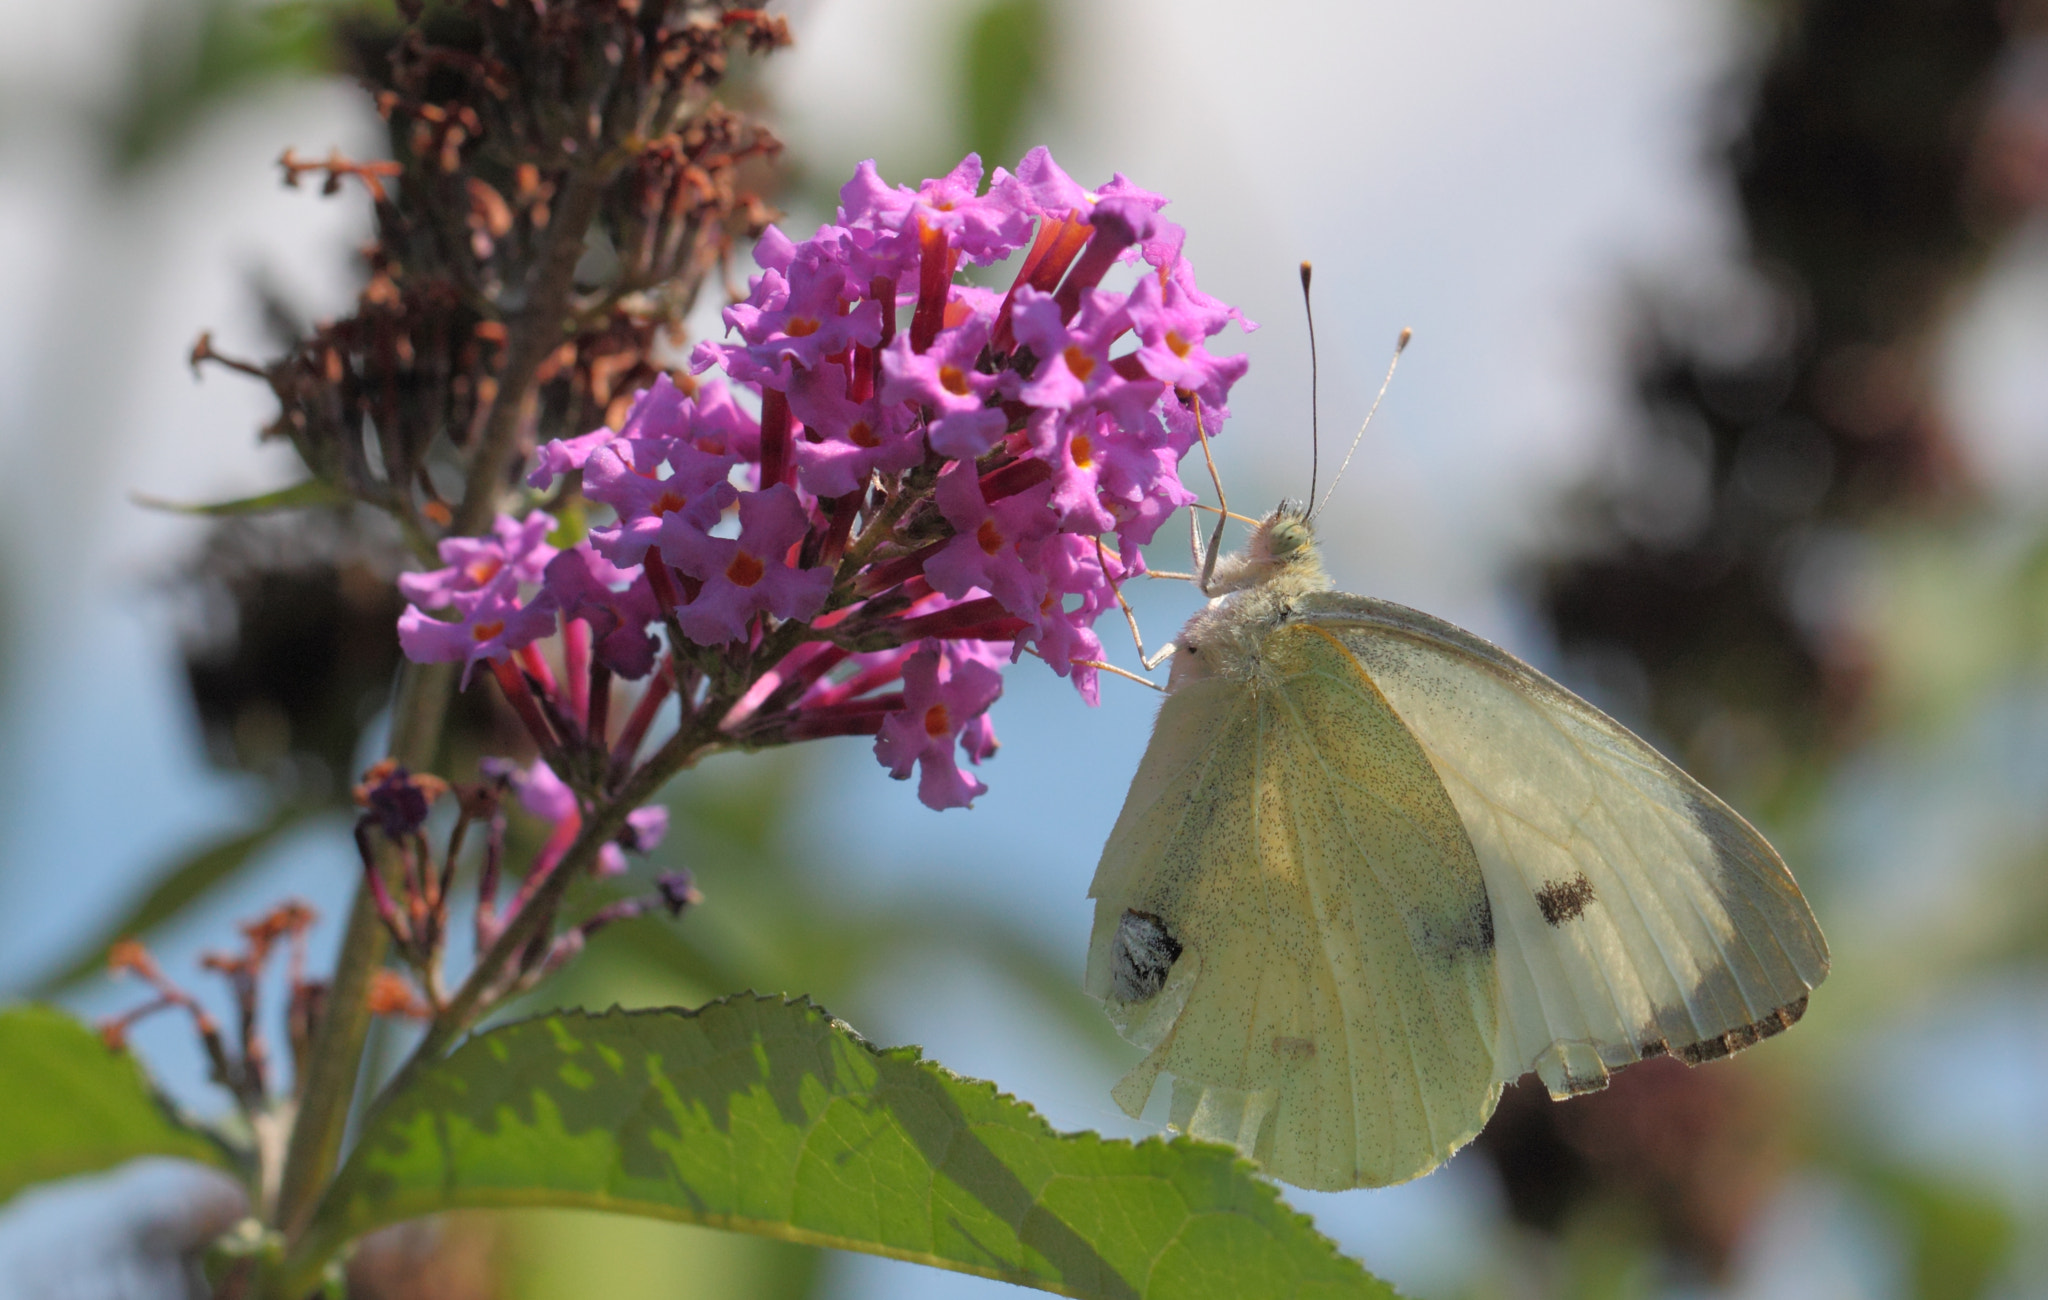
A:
(1014, 449)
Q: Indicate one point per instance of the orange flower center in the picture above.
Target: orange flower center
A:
(990, 537)
(1082, 450)
(1079, 364)
(801, 327)
(954, 380)
(937, 722)
(863, 435)
(668, 501)
(485, 631)
(1179, 345)
(745, 570)
(483, 570)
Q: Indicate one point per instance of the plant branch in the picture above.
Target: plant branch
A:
(537, 333)
(336, 1057)
(681, 750)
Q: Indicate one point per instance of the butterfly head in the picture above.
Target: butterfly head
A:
(1280, 556)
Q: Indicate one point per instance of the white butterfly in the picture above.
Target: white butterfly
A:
(1373, 867)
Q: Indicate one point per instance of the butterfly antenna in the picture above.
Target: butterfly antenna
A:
(1400, 346)
(1315, 441)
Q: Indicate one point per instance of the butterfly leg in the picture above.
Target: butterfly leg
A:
(1195, 545)
(1137, 638)
(1208, 565)
(1102, 667)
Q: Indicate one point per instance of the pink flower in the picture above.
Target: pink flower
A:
(988, 547)
(490, 626)
(1173, 320)
(673, 513)
(617, 604)
(750, 575)
(945, 381)
(885, 218)
(516, 551)
(1037, 419)
(1073, 569)
(566, 455)
(798, 317)
(481, 587)
(945, 693)
(844, 442)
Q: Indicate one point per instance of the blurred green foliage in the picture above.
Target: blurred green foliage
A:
(1006, 69)
(195, 57)
(1957, 1238)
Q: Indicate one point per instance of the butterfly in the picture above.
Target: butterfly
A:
(1372, 868)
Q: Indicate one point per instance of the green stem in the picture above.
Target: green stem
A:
(681, 751)
(337, 1052)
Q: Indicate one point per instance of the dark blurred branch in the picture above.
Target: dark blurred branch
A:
(1810, 408)
(538, 333)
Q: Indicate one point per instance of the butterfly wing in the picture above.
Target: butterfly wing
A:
(1635, 913)
(1291, 919)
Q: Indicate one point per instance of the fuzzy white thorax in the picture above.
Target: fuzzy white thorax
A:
(1250, 594)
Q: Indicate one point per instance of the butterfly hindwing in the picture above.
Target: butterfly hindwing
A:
(1635, 913)
(1291, 896)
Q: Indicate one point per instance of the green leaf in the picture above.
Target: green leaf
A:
(1007, 58)
(186, 882)
(74, 1105)
(770, 1117)
(299, 496)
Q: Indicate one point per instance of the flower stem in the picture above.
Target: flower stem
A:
(538, 332)
(336, 1057)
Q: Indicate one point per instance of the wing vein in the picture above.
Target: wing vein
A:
(1414, 1071)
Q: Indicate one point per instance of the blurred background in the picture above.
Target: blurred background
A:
(1728, 405)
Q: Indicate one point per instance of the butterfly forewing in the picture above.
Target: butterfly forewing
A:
(1332, 1008)
(1635, 913)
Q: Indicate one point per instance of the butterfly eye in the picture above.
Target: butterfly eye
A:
(1141, 956)
(1286, 534)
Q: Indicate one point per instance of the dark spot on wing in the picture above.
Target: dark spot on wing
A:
(1469, 933)
(1565, 900)
(1140, 956)
(1720, 1045)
